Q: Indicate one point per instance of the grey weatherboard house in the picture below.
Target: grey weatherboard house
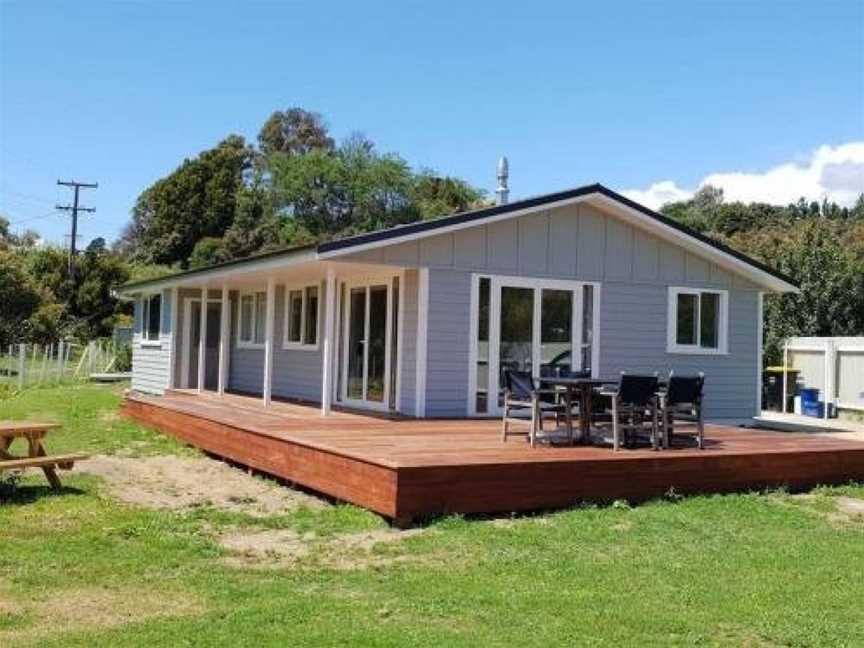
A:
(422, 319)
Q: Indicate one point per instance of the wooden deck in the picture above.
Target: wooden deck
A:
(406, 468)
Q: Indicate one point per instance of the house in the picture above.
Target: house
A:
(421, 319)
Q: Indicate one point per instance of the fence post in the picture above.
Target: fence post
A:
(46, 353)
(22, 352)
(61, 357)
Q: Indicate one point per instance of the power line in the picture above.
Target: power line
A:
(75, 208)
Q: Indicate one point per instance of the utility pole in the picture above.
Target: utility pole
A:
(74, 208)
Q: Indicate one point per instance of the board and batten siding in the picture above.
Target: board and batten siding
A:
(151, 363)
(582, 242)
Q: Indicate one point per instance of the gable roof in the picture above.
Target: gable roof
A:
(627, 209)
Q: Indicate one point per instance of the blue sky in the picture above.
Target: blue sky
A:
(628, 94)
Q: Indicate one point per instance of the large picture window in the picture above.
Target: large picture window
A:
(698, 321)
(301, 318)
(151, 318)
(252, 316)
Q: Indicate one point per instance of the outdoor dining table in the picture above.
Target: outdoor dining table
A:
(585, 388)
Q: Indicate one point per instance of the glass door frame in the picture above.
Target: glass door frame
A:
(538, 284)
(344, 318)
(187, 349)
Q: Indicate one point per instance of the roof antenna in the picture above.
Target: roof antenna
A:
(502, 193)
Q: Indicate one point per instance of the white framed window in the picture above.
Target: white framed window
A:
(698, 321)
(251, 316)
(151, 319)
(302, 313)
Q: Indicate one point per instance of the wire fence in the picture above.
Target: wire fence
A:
(31, 365)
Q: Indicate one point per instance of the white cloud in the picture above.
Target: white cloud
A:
(832, 172)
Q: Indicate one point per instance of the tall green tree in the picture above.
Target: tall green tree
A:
(20, 298)
(435, 195)
(294, 132)
(197, 200)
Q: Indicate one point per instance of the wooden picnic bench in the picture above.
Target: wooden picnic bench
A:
(37, 456)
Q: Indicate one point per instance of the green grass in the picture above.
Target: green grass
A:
(753, 569)
(90, 418)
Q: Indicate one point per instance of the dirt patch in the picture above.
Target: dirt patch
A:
(850, 506)
(170, 482)
(281, 548)
(272, 547)
(840, 512)
(93, 608)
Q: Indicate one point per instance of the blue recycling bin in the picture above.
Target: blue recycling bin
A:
(808, 395)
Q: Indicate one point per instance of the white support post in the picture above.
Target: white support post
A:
(202, 341)
(329, 342)
(759, 343)
(224, 339)
(422, 350)
(175, 338)
(268, 341)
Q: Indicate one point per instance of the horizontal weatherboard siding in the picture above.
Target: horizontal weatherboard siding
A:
(151, 364)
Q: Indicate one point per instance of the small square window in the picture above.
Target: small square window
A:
(698, 321)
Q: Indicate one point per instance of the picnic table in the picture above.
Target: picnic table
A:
(37, 457)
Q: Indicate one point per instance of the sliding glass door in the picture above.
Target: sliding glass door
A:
(542, 326)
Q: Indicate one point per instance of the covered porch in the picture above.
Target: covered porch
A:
(313, 331)
(405, 468)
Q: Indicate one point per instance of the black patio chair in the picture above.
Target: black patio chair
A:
(634, 410)
(521, 393)
(682, 403)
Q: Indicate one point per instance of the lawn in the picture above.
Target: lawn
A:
(83, 568)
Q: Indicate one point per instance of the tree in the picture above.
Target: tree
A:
(9, 240)
(94, 308)
(354, 189)
(207, 251)
(435, 196)
(829, 273)
(294, 132)
(197, 200)
(20, 297)
(255, 227)
(86, 306)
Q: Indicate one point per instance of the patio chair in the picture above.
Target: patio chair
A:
(683, 403)
(634, 410)
(520, 394)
